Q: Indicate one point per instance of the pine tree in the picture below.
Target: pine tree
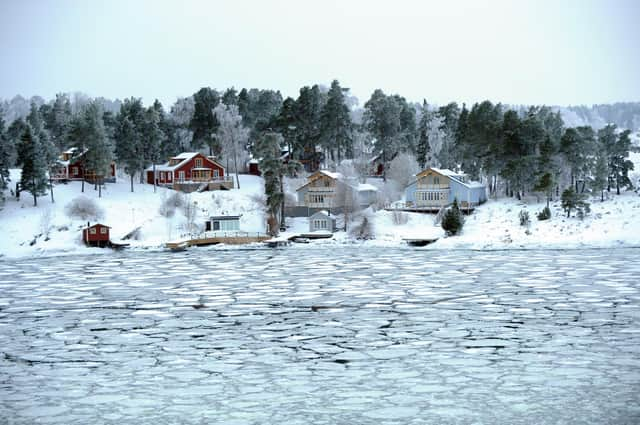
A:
(382, 120)
(47, 149)
(453, 221)
(204, 123)
(152, 138)
(128, 137)
(601, 173)
(273, 171)
(572, 200)
(424, 127)
(335, 125)
(99, 153)
(620, 165)
(6, 149)
(448, 115)
(31, 158)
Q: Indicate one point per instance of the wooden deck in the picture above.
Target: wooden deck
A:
(435, 209)
(229, 238)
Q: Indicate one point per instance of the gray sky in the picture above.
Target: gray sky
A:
(520, 51)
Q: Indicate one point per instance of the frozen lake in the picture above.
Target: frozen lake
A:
(322, 336)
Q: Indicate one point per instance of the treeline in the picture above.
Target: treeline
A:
(514, 151)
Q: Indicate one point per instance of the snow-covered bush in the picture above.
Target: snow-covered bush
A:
(363, 230)
(524, 218)
(83, 208)
(45, 222)
(170, 204)
(452, 222)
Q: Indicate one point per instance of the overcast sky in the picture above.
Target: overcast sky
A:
(525, 52)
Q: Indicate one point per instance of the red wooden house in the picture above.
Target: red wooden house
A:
(190, 171)
(96, 235)
(70, 166)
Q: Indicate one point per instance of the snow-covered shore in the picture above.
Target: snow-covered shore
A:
(494, 225)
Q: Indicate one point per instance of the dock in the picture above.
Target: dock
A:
(214, 238)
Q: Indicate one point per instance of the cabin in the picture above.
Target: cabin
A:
(435, 188)
(70, 166)
(322, 221)
(329, 190)
(96, 235)
(190, 171)
(223, 223)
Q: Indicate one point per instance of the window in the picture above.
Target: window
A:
(316, 199)
(436, 180)
(74, 171)
(216, 226)
(216, 173)
(320, 224)
(327, 183)
(103, 230)
(198, 162)
(92, 231)
(162, 176)
(181, 175)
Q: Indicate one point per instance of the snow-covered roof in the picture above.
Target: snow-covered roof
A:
(447, 172)
(332, 174)
(184, 157)
(365, 187)
(225, 217)
(322, 212)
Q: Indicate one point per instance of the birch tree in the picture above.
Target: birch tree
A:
(232, 135)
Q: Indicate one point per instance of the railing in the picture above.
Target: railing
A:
(223, 234)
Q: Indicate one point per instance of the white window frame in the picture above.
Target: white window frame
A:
(92, 231)
(198, 162)
(181, 176)
(103, 230)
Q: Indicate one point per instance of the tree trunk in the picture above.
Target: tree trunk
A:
(35, 196)
(99, 180)
(617, 185)
(132, 182)
(53, 201)
(155, 177)
(602, 195)
(281, 203)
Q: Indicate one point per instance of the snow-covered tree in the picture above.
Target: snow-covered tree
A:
(423, 149)
(232, 135)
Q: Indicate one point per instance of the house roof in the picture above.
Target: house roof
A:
(365, 187)
(457, 177)
(324, 213)
(184, 157)
(225, 217)
(99, 225)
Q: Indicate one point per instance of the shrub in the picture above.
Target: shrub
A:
(452, 222)
(524, 218)
(571, 200)
(83, 208)
(545, 214)
(364, 230)
(170, 204)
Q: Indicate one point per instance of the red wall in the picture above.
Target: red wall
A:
(86, 236)
(206, 163)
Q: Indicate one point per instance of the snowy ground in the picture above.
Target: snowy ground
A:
(494, 225)
(21, 222)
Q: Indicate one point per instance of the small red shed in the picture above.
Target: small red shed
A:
(96, 235)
